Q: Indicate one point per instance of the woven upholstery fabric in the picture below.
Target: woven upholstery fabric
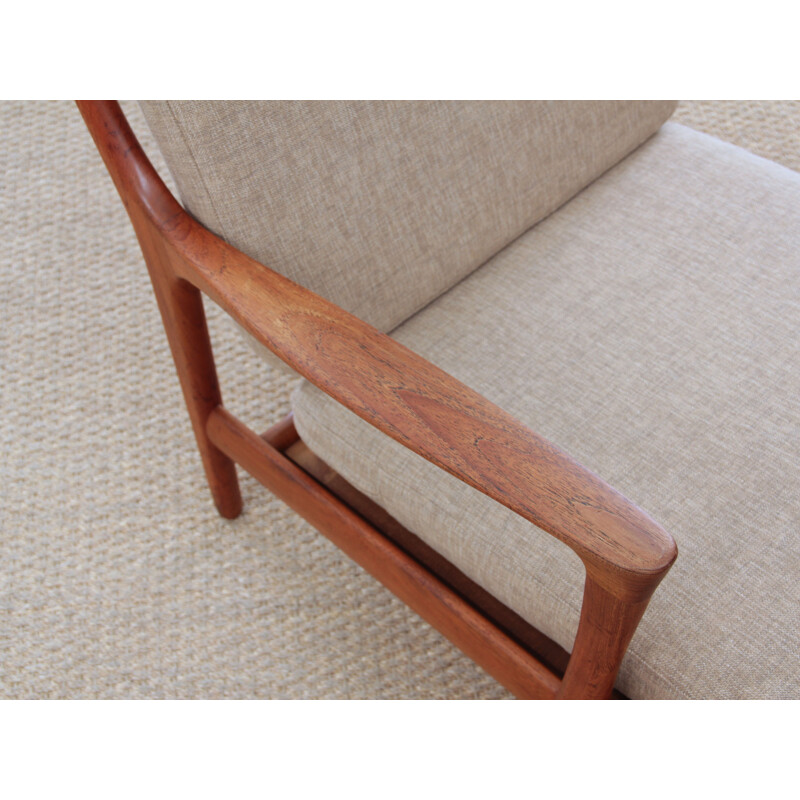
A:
(382, 206)
(650, 327)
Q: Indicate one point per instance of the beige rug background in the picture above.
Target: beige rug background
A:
(117, 578)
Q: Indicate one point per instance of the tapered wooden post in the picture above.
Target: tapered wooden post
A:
(182, 312)
(606, 627)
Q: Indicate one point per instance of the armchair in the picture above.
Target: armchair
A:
(382, 451)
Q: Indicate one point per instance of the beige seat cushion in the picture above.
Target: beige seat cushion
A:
(650, 327)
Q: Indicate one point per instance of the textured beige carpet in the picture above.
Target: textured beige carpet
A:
(117, 578)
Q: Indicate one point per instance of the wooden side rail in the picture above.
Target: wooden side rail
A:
(626, 554)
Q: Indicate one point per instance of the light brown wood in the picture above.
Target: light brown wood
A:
(503, 658)
(626, 553)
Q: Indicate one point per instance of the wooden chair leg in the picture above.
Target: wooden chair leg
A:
(606, 627)
(182, 312)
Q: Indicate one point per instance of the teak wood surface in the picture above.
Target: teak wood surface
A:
(626, 554)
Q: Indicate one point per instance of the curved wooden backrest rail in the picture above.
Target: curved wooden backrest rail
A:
(625, 552)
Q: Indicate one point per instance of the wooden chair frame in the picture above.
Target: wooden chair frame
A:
(625, 553)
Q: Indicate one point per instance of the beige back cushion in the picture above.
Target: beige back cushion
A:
(382, 206)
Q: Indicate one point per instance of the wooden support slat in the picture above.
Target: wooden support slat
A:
(283, 434)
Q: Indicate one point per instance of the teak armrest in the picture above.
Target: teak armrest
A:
(430, 412)
(419, 405)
